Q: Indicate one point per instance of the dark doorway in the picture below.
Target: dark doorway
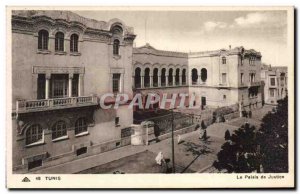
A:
(203, 102)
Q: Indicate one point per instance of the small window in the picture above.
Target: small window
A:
(43, 39)
(59, 129)
(34, 134)
(59, 41)
(224, 97)
(223, 60)
(242, 78)
(80, 126)
(224, 78)
(272, 81)
(35, 164)
(81, 151)
(74, 43)
(116, 47)
(116, 82)
(272, 93)
(117, 121)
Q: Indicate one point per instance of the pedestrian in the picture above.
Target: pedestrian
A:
(250, 114)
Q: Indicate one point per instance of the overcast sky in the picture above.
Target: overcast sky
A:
(264, 31)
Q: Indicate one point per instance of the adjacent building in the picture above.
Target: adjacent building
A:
(61, 64)
(217, 78)
(275, 83)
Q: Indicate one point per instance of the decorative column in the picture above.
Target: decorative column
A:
(167, 80)
(174, 80)
(142, 81)
(180, 79)
(199, 80)
(121, 83)
(159, 81)
(47, 87)
(70, 84)
(80, 86)
(186, 80)
(151, 81)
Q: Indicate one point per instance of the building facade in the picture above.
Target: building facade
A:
(61, 64)
(159, 72)
(217, 78)
(275, 83)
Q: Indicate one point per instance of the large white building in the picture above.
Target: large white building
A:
(218, 78)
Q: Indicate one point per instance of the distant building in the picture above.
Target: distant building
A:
(218, 78)
(275, 83)
(61, 64)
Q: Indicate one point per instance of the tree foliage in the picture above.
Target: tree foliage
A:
(274, 139)
(239, 153)
(248, 149)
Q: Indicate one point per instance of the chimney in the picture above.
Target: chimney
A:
(229, 47)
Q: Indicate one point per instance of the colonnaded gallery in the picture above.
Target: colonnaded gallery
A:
(63, 63)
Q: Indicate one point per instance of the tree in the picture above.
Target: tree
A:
(274, 139)
(227, 135)
(239, 154)
(251, 149)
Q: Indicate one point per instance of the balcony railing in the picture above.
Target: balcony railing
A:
(55, 103)
(254, 84)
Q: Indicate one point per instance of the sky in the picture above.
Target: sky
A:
(264, 31)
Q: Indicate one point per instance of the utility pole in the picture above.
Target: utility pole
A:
(173, 154)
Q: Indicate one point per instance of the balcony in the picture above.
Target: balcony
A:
(25, 106)
(251, 84)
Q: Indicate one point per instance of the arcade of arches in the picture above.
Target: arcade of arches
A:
(159, 77)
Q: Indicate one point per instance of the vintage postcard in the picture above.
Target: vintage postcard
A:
(150, 97)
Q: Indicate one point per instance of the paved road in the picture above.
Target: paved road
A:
(191, 155)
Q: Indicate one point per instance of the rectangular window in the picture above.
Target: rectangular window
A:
(35, 164)
(272, 93)
(75, 85)
(116, 82)
(81, 151)
(59, 86)
(224, 97)
(117, 120)
(242, 78)
(41, 86)
(272, 81)
(224, 78)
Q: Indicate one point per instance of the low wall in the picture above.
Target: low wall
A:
(92, 149)
(177, 132)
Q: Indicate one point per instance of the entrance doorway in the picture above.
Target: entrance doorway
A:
(203, 102)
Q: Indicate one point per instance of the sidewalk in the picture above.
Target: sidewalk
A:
(92, 161)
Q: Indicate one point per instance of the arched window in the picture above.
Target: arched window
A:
(116, 47)
(177, 77)
(147, 78)
(137, 77)
(194, 76)
(74, 43)
(34, 134)
(223, 60)
(203, 75)
(170, 78)
(59, 41)
(183, 77)
(43, 40)
(80, 126)
(163, 77)
(155, 77)
(59, 129)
